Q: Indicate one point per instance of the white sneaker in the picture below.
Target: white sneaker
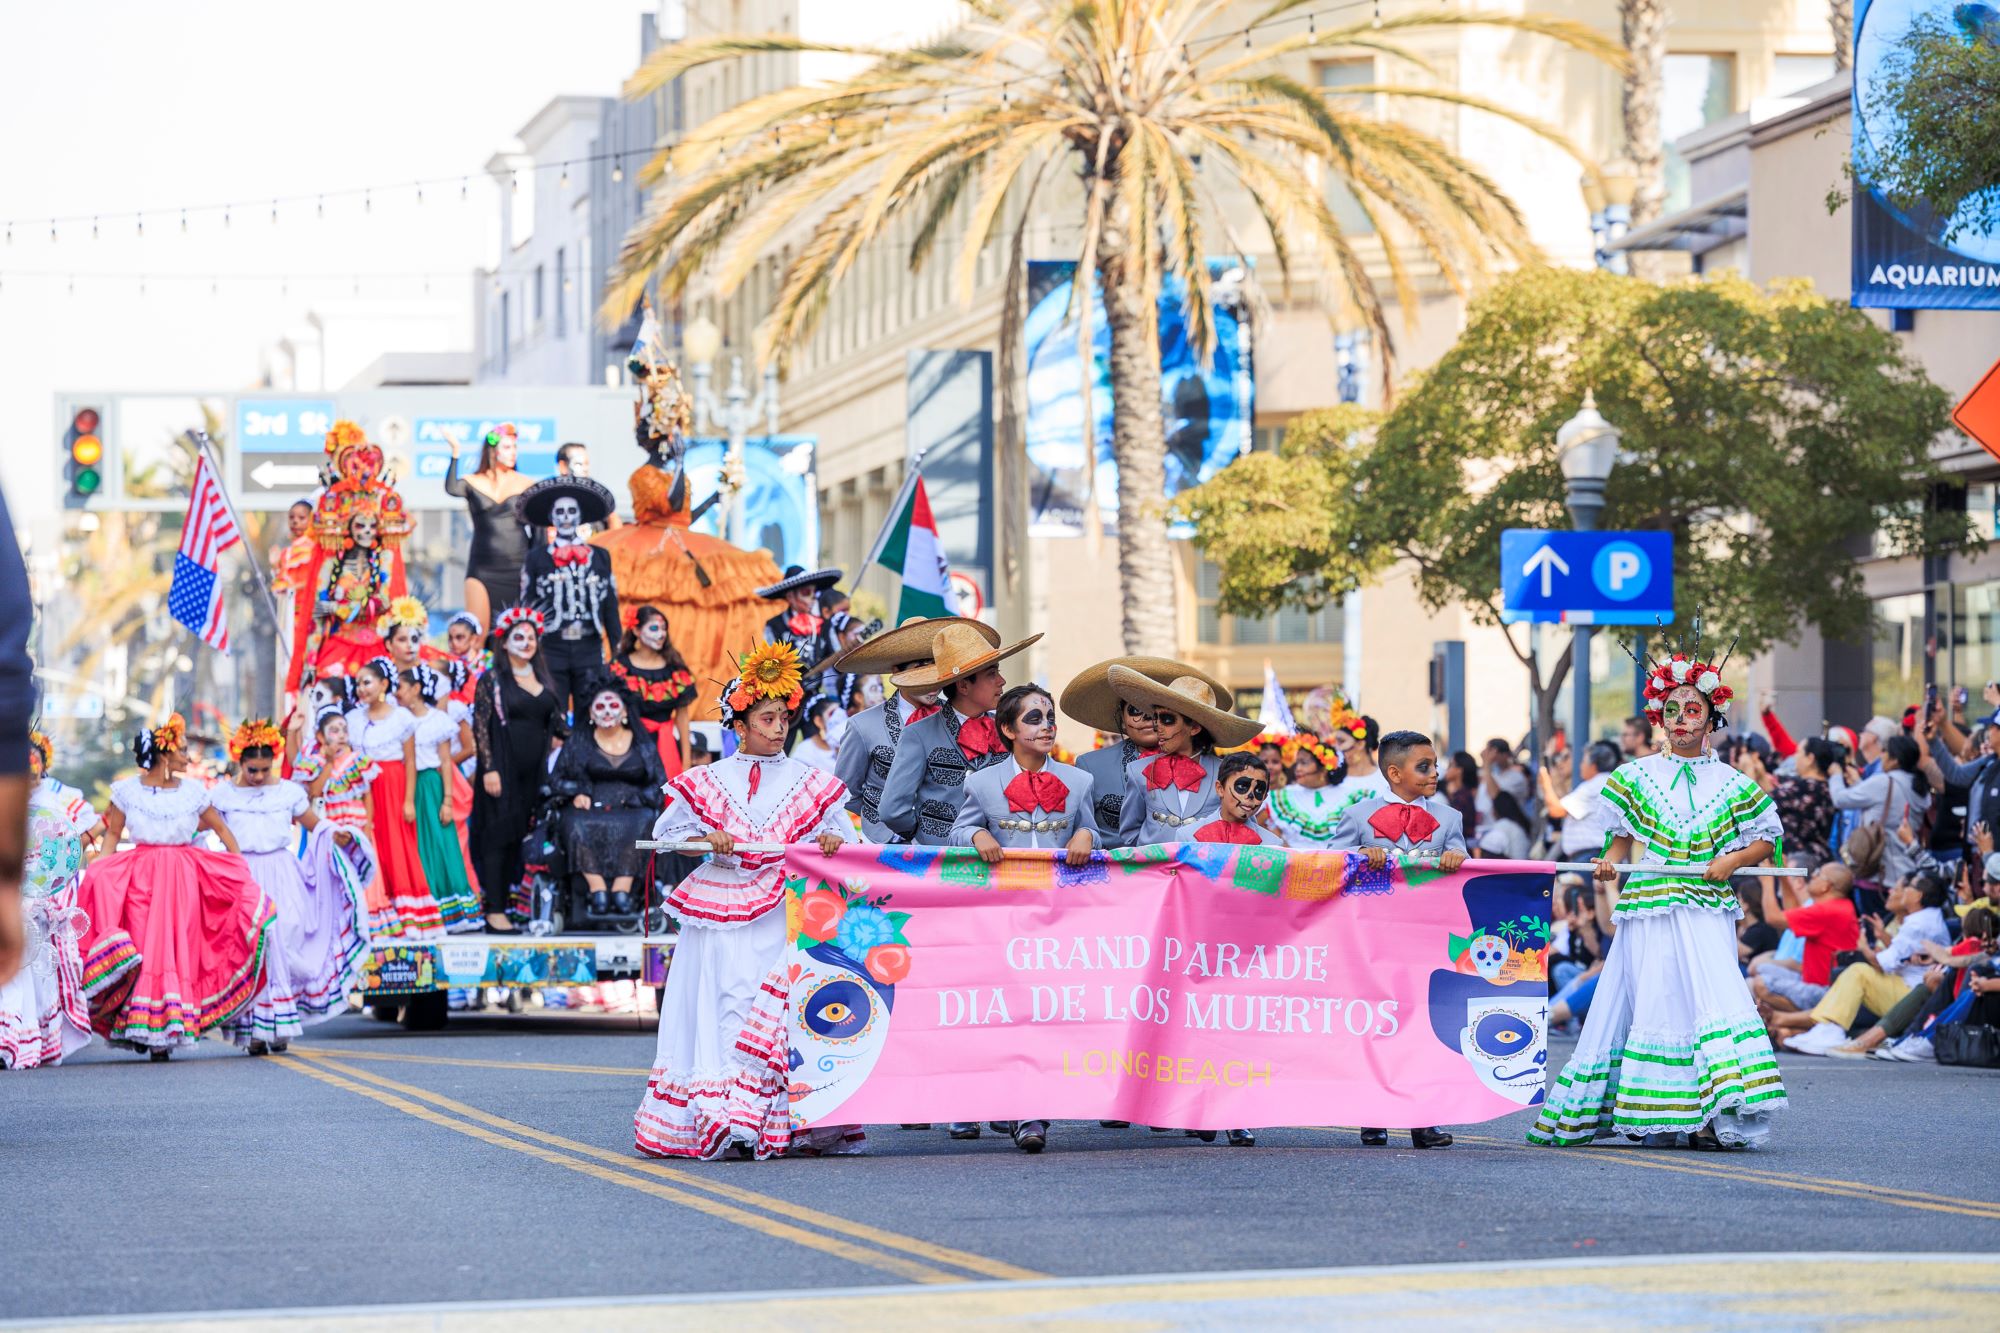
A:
(1818, 1039)
(1848, 1051)
(1916, 1050)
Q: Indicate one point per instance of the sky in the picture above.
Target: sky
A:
(111, 107)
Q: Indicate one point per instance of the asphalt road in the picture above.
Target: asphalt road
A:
(491, 1162)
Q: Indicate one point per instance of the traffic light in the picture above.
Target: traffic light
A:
(83, 469)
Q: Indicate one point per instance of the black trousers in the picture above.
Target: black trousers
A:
(573, 664)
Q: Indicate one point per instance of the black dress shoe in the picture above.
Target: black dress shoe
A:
(1115, 1124)
(964, 1129)
(1374, 1138)
(621, 903)
(600, 904)
(1031, 1135)
(1002, 1126)
(1429, 1138)
(1242, 1138)
(1205, 1135)
(926, 1125)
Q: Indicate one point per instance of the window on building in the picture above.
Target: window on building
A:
(1696, 90)
(1267, 439)
(1982, 505)
(535, 309)
(1340, 198)
(1899, 653)
(1973, 636)
(562, 285)
(1791, 73)
(506, 327)
(1288, 626)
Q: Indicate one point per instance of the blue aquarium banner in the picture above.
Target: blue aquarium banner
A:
(1208, 411)
(1901, 257)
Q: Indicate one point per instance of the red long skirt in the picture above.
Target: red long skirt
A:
(396, 853)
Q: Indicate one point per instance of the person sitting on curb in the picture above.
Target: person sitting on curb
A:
(1884, 978)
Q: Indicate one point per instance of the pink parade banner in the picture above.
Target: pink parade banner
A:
(1201, 986)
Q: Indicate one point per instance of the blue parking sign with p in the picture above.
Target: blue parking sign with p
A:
(1587, 578)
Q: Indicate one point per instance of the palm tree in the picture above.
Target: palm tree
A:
(1643, 28)
(1133, 97)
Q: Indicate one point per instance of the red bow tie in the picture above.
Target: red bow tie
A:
(570, 555)
(978, 737)
(1396, 821)
(1224, 831)
(1033, 791)
(919, 712)
(1175, 770)
(803, 623)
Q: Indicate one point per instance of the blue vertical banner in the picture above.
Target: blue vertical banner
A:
(1901, 257)
(1208, 411)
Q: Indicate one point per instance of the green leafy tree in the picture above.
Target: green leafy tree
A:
(1938, 94)
(1765, 429)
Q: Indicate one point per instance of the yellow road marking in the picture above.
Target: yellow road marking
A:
(895, 1265)
(613, 1071)
(1750, 1175)
(682, 1177)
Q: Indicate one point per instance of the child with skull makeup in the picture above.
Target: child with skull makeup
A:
(720, 1081)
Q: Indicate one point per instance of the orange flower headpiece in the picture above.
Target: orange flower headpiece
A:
(42, 751)
(1328, 758)
(256, 734)
(358, 485)
(150, 744)
(768, 671)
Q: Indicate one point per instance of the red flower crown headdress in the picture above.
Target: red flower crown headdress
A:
(1685, 667)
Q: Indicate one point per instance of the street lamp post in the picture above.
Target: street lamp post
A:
(1588, 445)
(734, 413)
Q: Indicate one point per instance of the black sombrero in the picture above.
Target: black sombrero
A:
(797, 576)
(593, 497)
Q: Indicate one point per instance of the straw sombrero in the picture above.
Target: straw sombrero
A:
(1190, 696)
(957, 651)
(908, 642)
(1088, 698)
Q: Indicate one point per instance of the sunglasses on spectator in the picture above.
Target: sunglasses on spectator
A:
(1250, 789)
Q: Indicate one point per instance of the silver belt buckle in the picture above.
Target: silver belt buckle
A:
(571, 632)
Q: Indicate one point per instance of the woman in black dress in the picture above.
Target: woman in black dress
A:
(499, 537)
(516, 722)
(610, 775)
(647, 667)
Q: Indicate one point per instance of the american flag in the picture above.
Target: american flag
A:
(210, 529)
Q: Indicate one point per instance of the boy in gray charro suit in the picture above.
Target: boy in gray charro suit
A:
(1089, 700)
(1412, 820)
(920, 796)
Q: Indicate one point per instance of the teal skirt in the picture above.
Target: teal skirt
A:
(438, 851)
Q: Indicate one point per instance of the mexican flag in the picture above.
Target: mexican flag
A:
(908, 544)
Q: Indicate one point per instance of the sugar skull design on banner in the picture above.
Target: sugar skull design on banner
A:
(1492, 1005)
(848, 954)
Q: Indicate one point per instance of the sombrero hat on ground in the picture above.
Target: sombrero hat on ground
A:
(593, 497)
(958, 650)
(908, 642)
(1088, 698)
(1190, 696)
(796, 576)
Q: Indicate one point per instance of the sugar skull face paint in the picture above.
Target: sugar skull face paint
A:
(1685, 714)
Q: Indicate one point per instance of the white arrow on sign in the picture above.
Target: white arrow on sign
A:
(304, 476)
(1545, 560)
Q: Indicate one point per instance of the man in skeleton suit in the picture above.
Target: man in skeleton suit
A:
(570, 581)
(800, 624)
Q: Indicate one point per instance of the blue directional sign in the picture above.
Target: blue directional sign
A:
(1587, 578)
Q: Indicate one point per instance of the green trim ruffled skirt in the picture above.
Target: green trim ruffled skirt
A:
(1672, 1041)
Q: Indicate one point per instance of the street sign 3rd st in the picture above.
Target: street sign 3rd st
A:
(1587, 578)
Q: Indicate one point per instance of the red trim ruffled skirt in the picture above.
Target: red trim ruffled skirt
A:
(175, 945)
(400, 867)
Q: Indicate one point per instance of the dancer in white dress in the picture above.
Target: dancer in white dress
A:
(1306, 812)
(314, 948)
(44, 1013)
(1673, 1044)
(720, 1077)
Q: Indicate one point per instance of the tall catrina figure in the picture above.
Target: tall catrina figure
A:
(359, 525)
(707, 587)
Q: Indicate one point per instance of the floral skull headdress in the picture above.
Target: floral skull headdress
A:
(1686, 668)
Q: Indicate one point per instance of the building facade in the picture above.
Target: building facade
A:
(848, 384)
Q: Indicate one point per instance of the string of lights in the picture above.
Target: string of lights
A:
(275, 207)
